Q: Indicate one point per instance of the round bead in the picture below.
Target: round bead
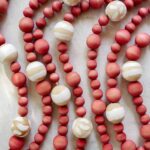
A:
(3, 6)
(60, 95)
(131, 71)
(128, 145)
(20, 127)
(145, 132)
(82, 127)
(116, 10)
(63, 31)
(71, 2)
(8, 53)
(96, 4)
(36, 71)
(115, 113)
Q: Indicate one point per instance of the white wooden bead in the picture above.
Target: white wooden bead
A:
(8, 53)
(20, 126)
(60, 95)
(63, 31)
(115, 113)
(131, 71)
(116, 10)
(71, 2)
(82, 127)
(36, 71)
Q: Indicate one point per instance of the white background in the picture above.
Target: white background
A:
(78, 57)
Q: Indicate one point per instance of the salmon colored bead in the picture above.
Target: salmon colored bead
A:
(68, 67)
(29, 47)
(140, 148)
(47, 58)
(28, 37)
(79, 101)
(111, 57)
(85, 6)
(113, 95)
(47, 110)
(98, 107)
(95, 84)
(46, 100)
(129, 4)
(145, 119)
(22, 91)
(138, 100)
(122, 36)
(43, 129)
(142, 39)
(112, 82)
(63, 120)
(137, 19)
(73, 79)
(112, 70)
(101, 129)
(97, 94)
(115, 48)
(135, 89)
(15, 67)
(93, 74)
(38, 34)
(3, 6)
(121, 137)
(51, 67)
(143, 12)
(99, 119)
(141, 109)
(96, 4)
(34, 4)
(81, 143)
(54, 77)
(23, 101)
(104, 138)
(41, 23)
(76, 11)
(92, 64)
(57, 6)
(28, 12)
(47, 120)
(69, 17)
(31, 57)
(107, 147)
(16, 143)
(133, 52)
(19, 79)
(97, 29)
(62, 47)
(48, 12)
(34, 146)
(60, 142)
(77, 91)
(93, 41)
(128, 145)
(63, 110)
(118, 128)
(103, 20)
(145, 131)
(39, 138)
(92, 54)
(26, 24)
(81, 111)
(64, 58)
(23, 111)
(130, 27)
(147, 145)
(62, 130)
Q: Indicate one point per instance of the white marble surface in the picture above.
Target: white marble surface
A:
(78, 53)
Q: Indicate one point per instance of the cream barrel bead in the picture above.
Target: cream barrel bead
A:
(8, 53)
(82, 127)
(20, 126)
(115, 113)
(36, 71)
(116, 10)
(60, 95)
(63, 30)
(131, 71)
(71, 2)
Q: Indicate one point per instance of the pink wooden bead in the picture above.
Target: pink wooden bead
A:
(46, 100)
(145, 132)
(141, 109)
(129, 4)
(118, 128)
(140, 148)
(51, 67)
(122, 36)
(104, 138)
(81, 143)
(63, 120)
(48, 12)
(93, 41)
(142, 39)
(112, 70)
(103, 20)
(23, 101)
(22, 91)
(43, 129)
(81, 111)
(38, 34)
(54, 77)
(60, 142)
(133, 52)
(128, 145)
(63, 110)
(62, 47)
(47, 58)
(64, 58)
(62, 130)
(23, 111)
(92, 54)
(111, 57)
(34, 146)
(34, 4)
(77, 91)
(147, 145)
(69, 17)
(97, 29)
(93, 74)
(96, 4)
(97, 94)
(41, 23)
(121, 137)
(42, 1)
(29, 47)
(73, 79)
(112, 82)
(15, 67)
(115, 48)
(2, 40)
(92, 64)
(145, 119)
(95, 84)
(39, 138)
(84, 6)
(113, 95)
(31, 57)
(79, 101)
(28, 12)
(47, 110)
(26, 24)
(143, 12)
(137, 19)
(130, 27)
(138, 100)
(107, 147)
(47, 120)
(68, 67)
(16, 143)
(135, 88)
(76, 10)
(28, 37)
(57, 6)
(3, 6)
(98, 107)
(101, 129)
(99, 119)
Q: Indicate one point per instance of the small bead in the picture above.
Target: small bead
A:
(79, 101)
(96, 4)
(112, 82)
(48, 12)
(116, 48)
(63, 110)
(47, 120)
(141, 110)
(57, 6)
(118, 128)
(38, 34)
(69, 17)
(77, 91)
(23, 101)
(85, 6)
(103, 20)
(97, 94)
(143, 12)
(101, 129)
(97, 29)
(80, 111)
(28, 12)
(145, 132)
(3, 6)
(68, 67)
(39, 138)
(41, 23)
(128, 145)
(130, 27)
(54, 77)
(145, 119)
(22, 111)
(62, 130)
(121, 137)
(46, 100)
(95, 84)
(15, 67)
(63, 120)
(34, 146)
(138, 100)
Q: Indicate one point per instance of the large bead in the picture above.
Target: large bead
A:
(36, 71)
(116, 10)
(60, 95)
(131, 71)
(20, 127)
(82, 127)
(71, 2)
(63, 30)
(115, 113)
(8, 53)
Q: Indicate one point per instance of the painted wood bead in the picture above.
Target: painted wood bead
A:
(20, 127)
(8, 53)
(82, 127)
(115, 113)
(131, 71)
(63, 31)
(60, 95)
(71, 2)
(36, 71)
(116, 10)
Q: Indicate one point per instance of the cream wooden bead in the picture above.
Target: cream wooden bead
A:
(60, 95)
(8, 53)
(63, 31)
(115, 113)
(82, 127)
(36, 71)
(131, 71)
(20, 126)
(71, 2)
(116, 10)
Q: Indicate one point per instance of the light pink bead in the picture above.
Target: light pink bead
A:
(38, 34)
(129, 3)
(128, 145)
(97, 94)
(143, 12)
(79, 101)
(130, 27)
(28, 12)
(81, 111)
(145, 132)
(69, 17)
(23, 101)
(39, 138)
(48, 12)
(137, 19)
(97, 29)
(103, 20)
(116, 48)
(54, 77)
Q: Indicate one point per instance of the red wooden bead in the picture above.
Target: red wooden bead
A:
(63, 120)
(115, 48)
(51, 67)
(103, 20)
(97, 94)
(137, 19)
(138, 100)
(62, 130)
(97, 29)
(46, 100)
(79, 101)
(101, 129)
(23, 101)
(54, 77)
(3, 6)
(95, 84)
(23, 111)
(77, 91)
(81, 111)
(111, 57)
(145, 119)
(48, 12)
(92, 54)
(47, 110)
(43, 129)
(143, 12)
(69, 17)
(141, 109)
(42, 1)
(57, 6)
(63, 110)
(22, 91)
(112, 82)
(129, 3)
(31, 57)
(145, 132)
(147, 145)
(92, 64)
(64, 58)
(28, 37)
(39, 138)
(93, 74)
(41, 23)
(107, 147)
(47, 120)
(118, 128)
(96, 4)
(29, 47)
(62, 47)
(121, 137)
(34, 146)
(84, 6)
(99, 119)
(15, 67)
(128, 145)
(104, 138)
(76, 10)
(81, 143)
(47, 58)
(28, 12)
(38, 34)
(68, 67)
(2, 40)
(130, 27)
(34, 4)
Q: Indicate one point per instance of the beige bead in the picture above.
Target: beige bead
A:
(63, 31)
(131, 71)
(60, 95)
(116, 10)
(36, 71)
(115, 113)
(82, 127)
(71, 2)
(8, 53)
(20, 126)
